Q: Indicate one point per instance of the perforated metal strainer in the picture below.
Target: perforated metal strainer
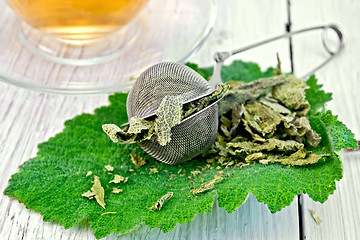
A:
(194, 134)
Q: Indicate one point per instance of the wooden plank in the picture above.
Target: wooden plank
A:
(341, 75)
(340, 214)
(251, 220)
(29, 118)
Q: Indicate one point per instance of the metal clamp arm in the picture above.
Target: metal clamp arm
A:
(220, 57)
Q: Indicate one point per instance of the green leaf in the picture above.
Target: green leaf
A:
(204, 72)
(315, 96)
(335, 133)
(52, 183)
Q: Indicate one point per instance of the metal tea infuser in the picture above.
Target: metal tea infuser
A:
(196, 133)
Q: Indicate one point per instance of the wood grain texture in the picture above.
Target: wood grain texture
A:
(340, 214)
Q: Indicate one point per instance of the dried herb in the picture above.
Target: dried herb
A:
(292, 94)
(158, 205)
(118, 179)
(209, 185)
(265, 121)
(109, 168)
(117, 190)
(153, 170)
(299, 158)
(88, 194)
(137, 160)
(244, 92)
(195, 173)
(105, 213)
(168, 116)
(171, 111)
(315, 217)
(97, 192)
(198, 105)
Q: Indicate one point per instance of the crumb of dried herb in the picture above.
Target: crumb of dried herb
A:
(118, 179)
(97, 192)
(153, 170)
(88, 194)
(105, 213)
(209, 185)
(195, 173)
(109, 168)
(315, 217)
(117, 190)
(158, 205)
(137, 160)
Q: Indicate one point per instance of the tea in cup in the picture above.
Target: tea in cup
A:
(77, 22)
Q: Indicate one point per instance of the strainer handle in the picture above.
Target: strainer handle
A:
(220, 57)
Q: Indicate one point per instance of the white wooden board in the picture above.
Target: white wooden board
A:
(340, 214)
(29, 118)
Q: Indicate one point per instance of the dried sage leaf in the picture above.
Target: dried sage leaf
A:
(199, 104)
(255, 136)
(137, 160)
(261, 118)
(168, 115)
(97, 192)
(195, 173)
(241, 93)
(299, 158)
(117, 190)
(270, 145)
(274, 105)
(118, 179)
(153, 170)
(105, 213)
(117, 135)
(137, 125)
(292, 94)
(255, 157)
(109, 168)
(158, 205)
(315, 217)
(209, 185)
(88, 194)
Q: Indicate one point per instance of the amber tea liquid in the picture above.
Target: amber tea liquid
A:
(77, 20)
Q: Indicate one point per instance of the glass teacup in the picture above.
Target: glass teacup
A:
(99, 29)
